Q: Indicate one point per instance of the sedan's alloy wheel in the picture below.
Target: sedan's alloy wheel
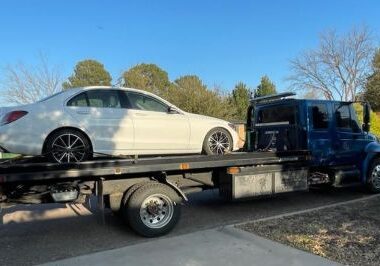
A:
(68, 148)
(219, 142)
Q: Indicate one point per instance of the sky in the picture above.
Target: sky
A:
(223, 42)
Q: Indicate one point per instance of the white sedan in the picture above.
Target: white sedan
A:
(75, 124)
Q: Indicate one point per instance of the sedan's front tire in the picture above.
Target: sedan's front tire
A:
(217, 142)
(67, 146)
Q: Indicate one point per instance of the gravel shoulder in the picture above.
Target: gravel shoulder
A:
(348, 234)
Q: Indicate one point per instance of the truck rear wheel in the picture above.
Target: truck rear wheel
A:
(126, 197)
(153, 209)
(373, 183)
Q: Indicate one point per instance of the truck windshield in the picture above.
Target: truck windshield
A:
(346, 117)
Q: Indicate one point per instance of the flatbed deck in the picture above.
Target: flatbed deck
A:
(124, 168)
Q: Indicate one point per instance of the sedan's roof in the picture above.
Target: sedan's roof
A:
(79, 89)
(110, 87)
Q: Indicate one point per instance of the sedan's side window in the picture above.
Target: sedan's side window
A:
(142, 102)
(79, 100)
(103, 98)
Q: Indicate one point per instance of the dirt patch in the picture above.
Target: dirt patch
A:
(348, 234)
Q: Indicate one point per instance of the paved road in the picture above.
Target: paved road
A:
(36, 234)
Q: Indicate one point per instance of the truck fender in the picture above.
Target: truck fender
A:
(163, 179)
(372, 150)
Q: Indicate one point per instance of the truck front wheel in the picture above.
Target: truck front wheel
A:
(153, 209)
(374, 176)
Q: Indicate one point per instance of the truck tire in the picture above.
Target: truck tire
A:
(126, 197)
(373, 177)
(153, 209)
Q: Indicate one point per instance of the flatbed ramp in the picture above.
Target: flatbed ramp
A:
(148, 192)
(113, 168)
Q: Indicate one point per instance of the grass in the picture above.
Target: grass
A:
(7, 155)
(348, 234)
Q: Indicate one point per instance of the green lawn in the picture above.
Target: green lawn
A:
(7, 155)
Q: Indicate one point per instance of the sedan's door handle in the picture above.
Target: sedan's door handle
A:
(140, 114)
(82, 112)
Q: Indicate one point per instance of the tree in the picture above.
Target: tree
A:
(266, 87)
(375, 119)
(239, 100)
(337, 68)
(148, 77)
(191, 95)
(88, 73)
(23, 84)
(372, 90)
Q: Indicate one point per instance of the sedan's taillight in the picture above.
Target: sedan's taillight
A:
(12, 116)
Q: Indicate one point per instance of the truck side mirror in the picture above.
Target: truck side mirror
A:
(366, 117)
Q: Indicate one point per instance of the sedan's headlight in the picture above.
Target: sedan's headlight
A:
(231, 125)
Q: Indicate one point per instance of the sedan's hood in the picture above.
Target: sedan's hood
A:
(204, 117)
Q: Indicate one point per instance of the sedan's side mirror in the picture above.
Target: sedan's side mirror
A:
(172, 110)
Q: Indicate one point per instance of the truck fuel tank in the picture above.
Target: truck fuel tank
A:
(249, 182)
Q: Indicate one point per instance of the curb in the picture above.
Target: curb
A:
(307, 210)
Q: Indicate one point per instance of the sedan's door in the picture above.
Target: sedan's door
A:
(101, 112)
(157, 130)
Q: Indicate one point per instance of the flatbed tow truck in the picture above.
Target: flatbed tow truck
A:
(291, 145)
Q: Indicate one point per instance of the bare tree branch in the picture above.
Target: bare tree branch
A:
(23, 85)
(337, 68)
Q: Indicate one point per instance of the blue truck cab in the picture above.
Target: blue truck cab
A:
(342, 150)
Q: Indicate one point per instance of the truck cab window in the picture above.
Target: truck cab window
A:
(342, 116)
(346, 118)
(277, 115)
(319, 116)
(354, 120)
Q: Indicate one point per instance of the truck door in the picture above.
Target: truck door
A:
(349, 139)
(319, 132)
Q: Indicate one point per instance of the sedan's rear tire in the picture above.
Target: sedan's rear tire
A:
(67, 146)
(217, 142)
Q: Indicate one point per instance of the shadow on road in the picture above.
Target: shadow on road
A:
(40, 233)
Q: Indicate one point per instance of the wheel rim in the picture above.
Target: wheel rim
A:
(219, 142)
(376, 177)
(68, 148)
(156, 211)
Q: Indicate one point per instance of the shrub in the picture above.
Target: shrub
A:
(375, 119)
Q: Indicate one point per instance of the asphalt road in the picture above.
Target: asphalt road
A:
(36, 234)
